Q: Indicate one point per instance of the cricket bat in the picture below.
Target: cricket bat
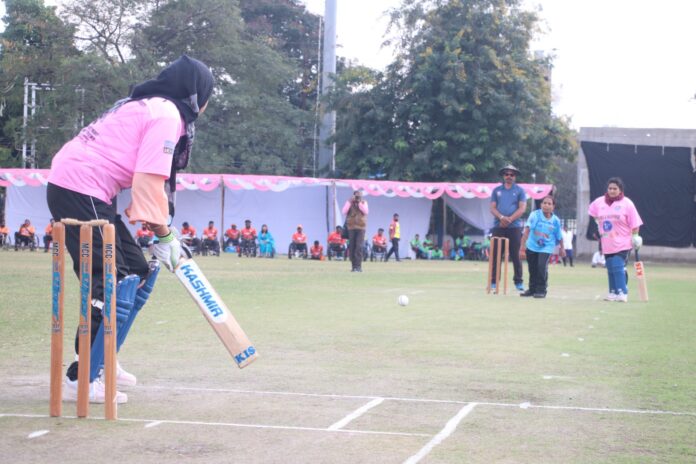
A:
(640, 277)
(216, 312)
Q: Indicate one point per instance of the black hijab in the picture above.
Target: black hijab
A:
(188, 84)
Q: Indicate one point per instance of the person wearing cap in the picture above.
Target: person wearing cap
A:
(508, 204)
(299, 243)
(355, 209)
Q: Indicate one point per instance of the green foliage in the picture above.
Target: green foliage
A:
(463, 98)
(34, 46)
(259, 119)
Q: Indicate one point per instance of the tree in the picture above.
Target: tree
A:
(463, 97)
(106, 28)
(250, 125)
(35, 44)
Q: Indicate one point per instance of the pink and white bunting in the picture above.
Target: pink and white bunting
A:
(389, 189)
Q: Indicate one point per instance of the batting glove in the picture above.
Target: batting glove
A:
(169, 250)
(636, 241)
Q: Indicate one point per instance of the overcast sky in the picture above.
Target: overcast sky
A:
(624, 63)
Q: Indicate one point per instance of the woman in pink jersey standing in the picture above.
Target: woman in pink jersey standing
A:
(138, 144)
(618, 223)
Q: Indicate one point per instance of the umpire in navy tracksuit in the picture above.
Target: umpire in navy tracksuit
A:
(508, 204)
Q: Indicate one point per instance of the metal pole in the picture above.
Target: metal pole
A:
(33, 138)
(327, 153)
(24, 123)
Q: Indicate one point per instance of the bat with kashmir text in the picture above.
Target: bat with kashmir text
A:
(216, 312)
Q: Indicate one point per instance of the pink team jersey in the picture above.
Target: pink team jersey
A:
(101, 160)
(615, 223)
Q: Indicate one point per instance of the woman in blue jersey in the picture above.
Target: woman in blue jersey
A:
(541, 235)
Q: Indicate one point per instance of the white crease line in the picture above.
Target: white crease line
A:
(231, 424)
(442, 434)
(153, 424)
(355, 414)
(415, 400)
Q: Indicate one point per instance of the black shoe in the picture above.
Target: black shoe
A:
(527, 293)
(540, 295)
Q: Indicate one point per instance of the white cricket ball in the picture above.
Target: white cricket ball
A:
(403, 300)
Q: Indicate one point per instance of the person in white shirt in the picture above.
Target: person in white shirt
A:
(568, 245)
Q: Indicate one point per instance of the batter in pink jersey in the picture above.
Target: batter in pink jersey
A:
(138, 144)
(618, 223)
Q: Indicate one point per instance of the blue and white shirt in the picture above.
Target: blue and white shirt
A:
(507, 201)
(544, 233)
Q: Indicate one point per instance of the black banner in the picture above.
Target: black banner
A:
(659, 180)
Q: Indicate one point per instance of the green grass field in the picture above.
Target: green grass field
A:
(345, 375)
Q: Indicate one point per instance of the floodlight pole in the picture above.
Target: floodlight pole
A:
(327, 153)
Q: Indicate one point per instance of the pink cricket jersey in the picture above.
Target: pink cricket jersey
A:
(615, 223)
(101, 160)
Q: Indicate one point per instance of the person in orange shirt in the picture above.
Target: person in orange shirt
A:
(379, 244)
(299, 243)
(248, 242)
(25, 235)
(317, 251)
(210, 239)
(394, 236)
(4, 233)
(48, 235)
(337, 244)
(232, 235)
(143, 236)
(188, 237)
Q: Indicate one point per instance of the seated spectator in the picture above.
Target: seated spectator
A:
(461, 247)
(188, 237)
(486, 247)
(417, 247)
(48, 235)
(266, 243)
(248, 239)
(436, 253)
(25, 235)
(379, 242)
(4, 233)
(317, 251)
(427, 247)
(210, 239)
(232, 235)
(337, 244)
(144, 236)
(298, 244)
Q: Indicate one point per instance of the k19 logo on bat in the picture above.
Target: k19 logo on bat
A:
(244, 355)
(200, 286)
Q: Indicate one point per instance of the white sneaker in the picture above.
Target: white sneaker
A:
(97, 392)
(622, 298)
(124, 378)
(611, 297)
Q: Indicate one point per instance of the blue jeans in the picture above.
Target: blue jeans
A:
(616, 271)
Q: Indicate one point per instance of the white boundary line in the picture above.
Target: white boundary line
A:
(355, 414)
(450, 427)
(424, 400)
(153, 422)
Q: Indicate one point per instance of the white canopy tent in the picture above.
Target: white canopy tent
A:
(281, 202)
